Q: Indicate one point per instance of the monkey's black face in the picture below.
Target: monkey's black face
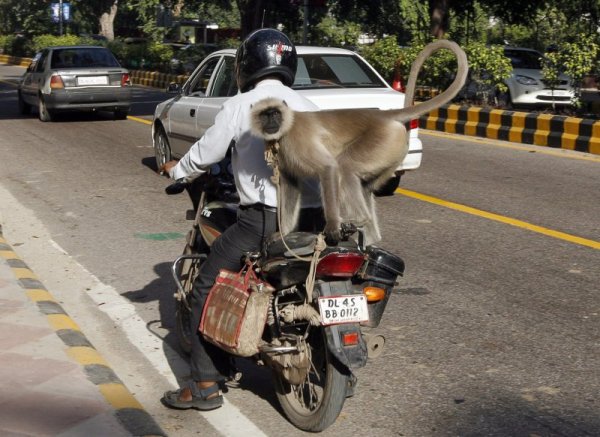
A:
(270, 120)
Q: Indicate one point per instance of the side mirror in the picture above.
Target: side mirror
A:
(173, 88)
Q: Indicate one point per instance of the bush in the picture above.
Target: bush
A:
(41, 41)
(488, 67)
(383, 55)
(17, 45)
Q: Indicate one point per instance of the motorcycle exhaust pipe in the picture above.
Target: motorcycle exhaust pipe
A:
(375, 345)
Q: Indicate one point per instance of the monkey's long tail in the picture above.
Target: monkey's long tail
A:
(412, 111)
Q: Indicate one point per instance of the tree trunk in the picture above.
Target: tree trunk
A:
(178, 7)
(438, 10)
(251, 14)
(107, 19)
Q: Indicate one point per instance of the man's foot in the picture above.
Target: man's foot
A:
(201, 396)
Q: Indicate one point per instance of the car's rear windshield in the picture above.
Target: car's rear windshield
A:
(524, 59)
(330, 71)
(83, 58)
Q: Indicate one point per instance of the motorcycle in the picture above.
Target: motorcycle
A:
(316, 331)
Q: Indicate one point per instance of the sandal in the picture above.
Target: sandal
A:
(200, 400)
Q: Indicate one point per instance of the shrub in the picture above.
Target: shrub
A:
(383, 55)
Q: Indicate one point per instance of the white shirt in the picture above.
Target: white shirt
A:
(232, 123)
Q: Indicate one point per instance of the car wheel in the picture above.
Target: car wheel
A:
(162, 149)
(121, 114)
(24, 107)
(389, 187)
(44, 113)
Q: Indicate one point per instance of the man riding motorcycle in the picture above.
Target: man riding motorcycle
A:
(265, 67)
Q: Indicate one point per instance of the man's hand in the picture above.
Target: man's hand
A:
(166, 167)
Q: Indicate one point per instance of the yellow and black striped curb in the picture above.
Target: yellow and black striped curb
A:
(555, 131)
(128, 410)
(15, 60)
(155, 79)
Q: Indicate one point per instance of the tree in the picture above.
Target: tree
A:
(438, 10)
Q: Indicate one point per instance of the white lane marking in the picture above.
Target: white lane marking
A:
(228, 419)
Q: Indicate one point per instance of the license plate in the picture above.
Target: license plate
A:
(343, 309)
(92, 80)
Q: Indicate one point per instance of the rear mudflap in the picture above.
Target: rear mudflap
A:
(352, 356)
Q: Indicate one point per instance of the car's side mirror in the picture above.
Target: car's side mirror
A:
(173, 88)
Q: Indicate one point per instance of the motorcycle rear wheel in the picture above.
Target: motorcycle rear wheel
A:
(316, 403)
(183, 315)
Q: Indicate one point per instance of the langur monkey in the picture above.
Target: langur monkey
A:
(353, 152)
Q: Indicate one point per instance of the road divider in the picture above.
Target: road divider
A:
(555, 131)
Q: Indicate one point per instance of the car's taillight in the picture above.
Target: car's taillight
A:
(125, 79)
(340, 265)
(56, 82)
(414, 124)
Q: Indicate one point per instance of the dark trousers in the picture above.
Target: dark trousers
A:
(254, 225)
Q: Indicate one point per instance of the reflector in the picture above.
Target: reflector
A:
(374, 294)
(350, 338)
(340, 265)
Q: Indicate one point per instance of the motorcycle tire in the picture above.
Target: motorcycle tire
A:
(183, 315)
(316, 403)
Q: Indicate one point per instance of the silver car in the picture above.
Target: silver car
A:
(331, 78)
(526, 83)
(75, 78)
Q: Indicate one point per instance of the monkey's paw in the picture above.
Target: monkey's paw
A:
(333, 234)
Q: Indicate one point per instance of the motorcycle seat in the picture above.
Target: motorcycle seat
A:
(302, 243)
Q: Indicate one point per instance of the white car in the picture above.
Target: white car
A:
(331, 78)
(526, 85)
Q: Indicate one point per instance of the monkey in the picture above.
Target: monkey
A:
(352, 152)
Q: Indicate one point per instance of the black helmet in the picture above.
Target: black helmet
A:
(263, 53)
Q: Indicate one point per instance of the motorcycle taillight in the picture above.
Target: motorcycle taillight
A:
(340, 265)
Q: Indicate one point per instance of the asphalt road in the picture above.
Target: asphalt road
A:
(493, 331)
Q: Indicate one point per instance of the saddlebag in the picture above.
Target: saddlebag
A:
(235, 312)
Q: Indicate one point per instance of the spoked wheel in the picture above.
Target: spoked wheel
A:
(316, 403)
(162, 150)
(187, 272)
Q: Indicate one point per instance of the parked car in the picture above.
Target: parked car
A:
(186, 57)
(331, 78)
(75, 78)
(526, 85)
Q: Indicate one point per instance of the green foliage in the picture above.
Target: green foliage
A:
(383, 55)
(142, 55)
(575, 59)
(437, 72)
(331, 32)
(41, 41)
(17, 45)
(488, 66)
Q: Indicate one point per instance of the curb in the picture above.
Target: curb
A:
(128, 410)
(15, 60)
(155, 79)
(557, 131)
